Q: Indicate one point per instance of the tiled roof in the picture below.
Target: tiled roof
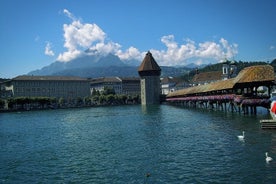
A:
(149, 66)
(130, 78)
(207, 76)
(167, 80)
(260, 74)
(256, 74)
(46, 78)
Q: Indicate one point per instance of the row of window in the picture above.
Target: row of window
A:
(50, 91)
(47, 83)
(69, 88)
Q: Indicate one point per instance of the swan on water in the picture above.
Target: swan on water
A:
(241, 137)
(267, 158)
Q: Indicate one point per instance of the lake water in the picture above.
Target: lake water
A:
(135, 144)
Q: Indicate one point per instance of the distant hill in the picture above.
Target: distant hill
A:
(100, 66)
(193, 66)
(240, 65)
(119, 71)
(95, 65)
(87, 61)
(273, 63)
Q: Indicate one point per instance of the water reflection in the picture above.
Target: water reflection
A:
(150, 109)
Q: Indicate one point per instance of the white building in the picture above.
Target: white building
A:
(99, 84)
(171, 84)
(47, 86)
(121, 85)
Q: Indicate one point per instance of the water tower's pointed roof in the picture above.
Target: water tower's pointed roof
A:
(149, 66)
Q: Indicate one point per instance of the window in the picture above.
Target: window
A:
(224, 70)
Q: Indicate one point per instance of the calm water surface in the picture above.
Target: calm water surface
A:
(134, 144)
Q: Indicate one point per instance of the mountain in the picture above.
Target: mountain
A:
(84, 62)
(94, 65)
(119, 71)
(95, 72)
(192, 66)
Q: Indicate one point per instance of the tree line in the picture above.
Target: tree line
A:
(105, 97)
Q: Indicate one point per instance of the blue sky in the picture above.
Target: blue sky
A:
(178, 32)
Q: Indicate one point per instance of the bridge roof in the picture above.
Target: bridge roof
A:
(259, 73)
(253, 74)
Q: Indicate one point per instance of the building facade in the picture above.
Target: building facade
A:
(121, 85)
(149, 72)
(131, 86)
(48, 86)
(229, 70)
(99, 84)
(171, 84)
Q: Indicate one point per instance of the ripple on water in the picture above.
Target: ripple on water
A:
(133, 144)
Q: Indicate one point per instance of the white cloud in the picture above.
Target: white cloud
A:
(106, 48)
(69, 55)
(229, 50)
(69, 14)
(182, 54)
(48, 50)
(80, 36)
(130, 53)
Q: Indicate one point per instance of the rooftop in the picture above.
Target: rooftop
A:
(207, 76)
(260, 74)
(105, 80)
(149, 66)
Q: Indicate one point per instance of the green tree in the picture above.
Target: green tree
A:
(95, 92)
(79, 101)
(121, 99)
(108, 90)
(136, 98)
(102, 99)
(11, 103)
(2, 104)
(87, 100)
(95, 99)
(44, 101)
(110, 98)
(61, 101)
(53, 100)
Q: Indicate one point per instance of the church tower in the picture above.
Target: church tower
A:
(149, 72)
(229, 70)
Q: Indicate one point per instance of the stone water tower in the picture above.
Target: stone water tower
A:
(149, 72)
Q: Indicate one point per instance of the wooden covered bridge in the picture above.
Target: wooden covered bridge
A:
(238, 94)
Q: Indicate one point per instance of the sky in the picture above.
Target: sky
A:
(35, 33)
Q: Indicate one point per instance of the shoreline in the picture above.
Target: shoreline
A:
(68, 107)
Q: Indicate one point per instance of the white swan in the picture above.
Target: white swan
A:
(241, 137)
(268, 159)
